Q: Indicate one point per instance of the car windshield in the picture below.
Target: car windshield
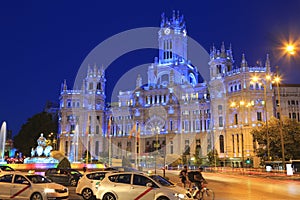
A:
(38, 179)
(161, 180)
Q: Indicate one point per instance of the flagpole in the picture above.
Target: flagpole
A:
(138, 149)
(109, 141)
(109, 150)
(87, 149)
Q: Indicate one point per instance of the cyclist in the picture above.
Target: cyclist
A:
(183, 174)
(198, 178)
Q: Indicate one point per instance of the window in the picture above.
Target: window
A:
(220, 121)
(69, 103)
(221, 140)
(219, 70)
(220, 107)
(96, 176)
(197, 125)
(6, 178)
(233, 149)
(141, 180)
(97, 129)
(120, 178)
(259, 116)
(72, 128)
(20, 179)
(236, 119)
(238, 143)
(97, 148)
(90, 86)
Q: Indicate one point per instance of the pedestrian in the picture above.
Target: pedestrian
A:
(183, 176)
(84, 169)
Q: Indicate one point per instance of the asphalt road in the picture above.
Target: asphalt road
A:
(238, 187)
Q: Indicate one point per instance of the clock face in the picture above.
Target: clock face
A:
(167, 31)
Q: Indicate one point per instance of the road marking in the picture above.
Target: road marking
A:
(25, 188)
(143, 194)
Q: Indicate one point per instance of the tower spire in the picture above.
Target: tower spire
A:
(268, 64)
(138, 81)
(244, 62)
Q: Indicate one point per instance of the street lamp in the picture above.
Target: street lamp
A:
(277, 81)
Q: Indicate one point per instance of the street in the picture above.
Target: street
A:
(237, 187)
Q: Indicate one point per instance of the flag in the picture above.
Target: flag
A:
(108, 127)
(132, 131)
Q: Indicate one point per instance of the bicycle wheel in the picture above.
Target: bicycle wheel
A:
(208, 194)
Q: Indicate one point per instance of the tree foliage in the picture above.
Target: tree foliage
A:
(291, 137)
(213, 157)
(31, 130)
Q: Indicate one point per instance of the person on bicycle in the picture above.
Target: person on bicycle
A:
(183, 176)
(198, 178)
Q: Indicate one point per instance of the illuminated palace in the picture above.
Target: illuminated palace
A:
(175, 114)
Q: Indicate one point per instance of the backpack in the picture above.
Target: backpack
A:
(191, 175)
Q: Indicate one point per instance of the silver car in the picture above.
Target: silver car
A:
(134, 185)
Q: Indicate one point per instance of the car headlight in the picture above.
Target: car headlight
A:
(180, 196)
(49, 190)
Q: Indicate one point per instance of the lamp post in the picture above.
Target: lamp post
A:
(277, 80)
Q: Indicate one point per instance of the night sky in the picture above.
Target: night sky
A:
(43, 43)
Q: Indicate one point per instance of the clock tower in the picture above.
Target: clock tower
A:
(172, 39)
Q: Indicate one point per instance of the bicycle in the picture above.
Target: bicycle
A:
(203, 194)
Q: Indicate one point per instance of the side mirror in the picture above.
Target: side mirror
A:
(149, 185)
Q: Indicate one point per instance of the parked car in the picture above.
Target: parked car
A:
(134, 185)
(63, 176)
(20, 185)
(88, 184)
(5, 169)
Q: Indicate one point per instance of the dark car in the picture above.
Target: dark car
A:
(4, 168)
(63, 176)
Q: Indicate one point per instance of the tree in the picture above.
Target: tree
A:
(213, 157)
(291, 136)
(31, 130)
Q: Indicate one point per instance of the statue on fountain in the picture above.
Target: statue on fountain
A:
(41, 154)
(42, 148)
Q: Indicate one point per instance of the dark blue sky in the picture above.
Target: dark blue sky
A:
(43, 43)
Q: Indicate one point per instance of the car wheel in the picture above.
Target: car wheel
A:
(73, 182)
(36, 196)
(109, 196)
(163, 198)
(87, 194)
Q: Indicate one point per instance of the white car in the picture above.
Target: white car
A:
(19, 185)
(133, 185)
(88, 184)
